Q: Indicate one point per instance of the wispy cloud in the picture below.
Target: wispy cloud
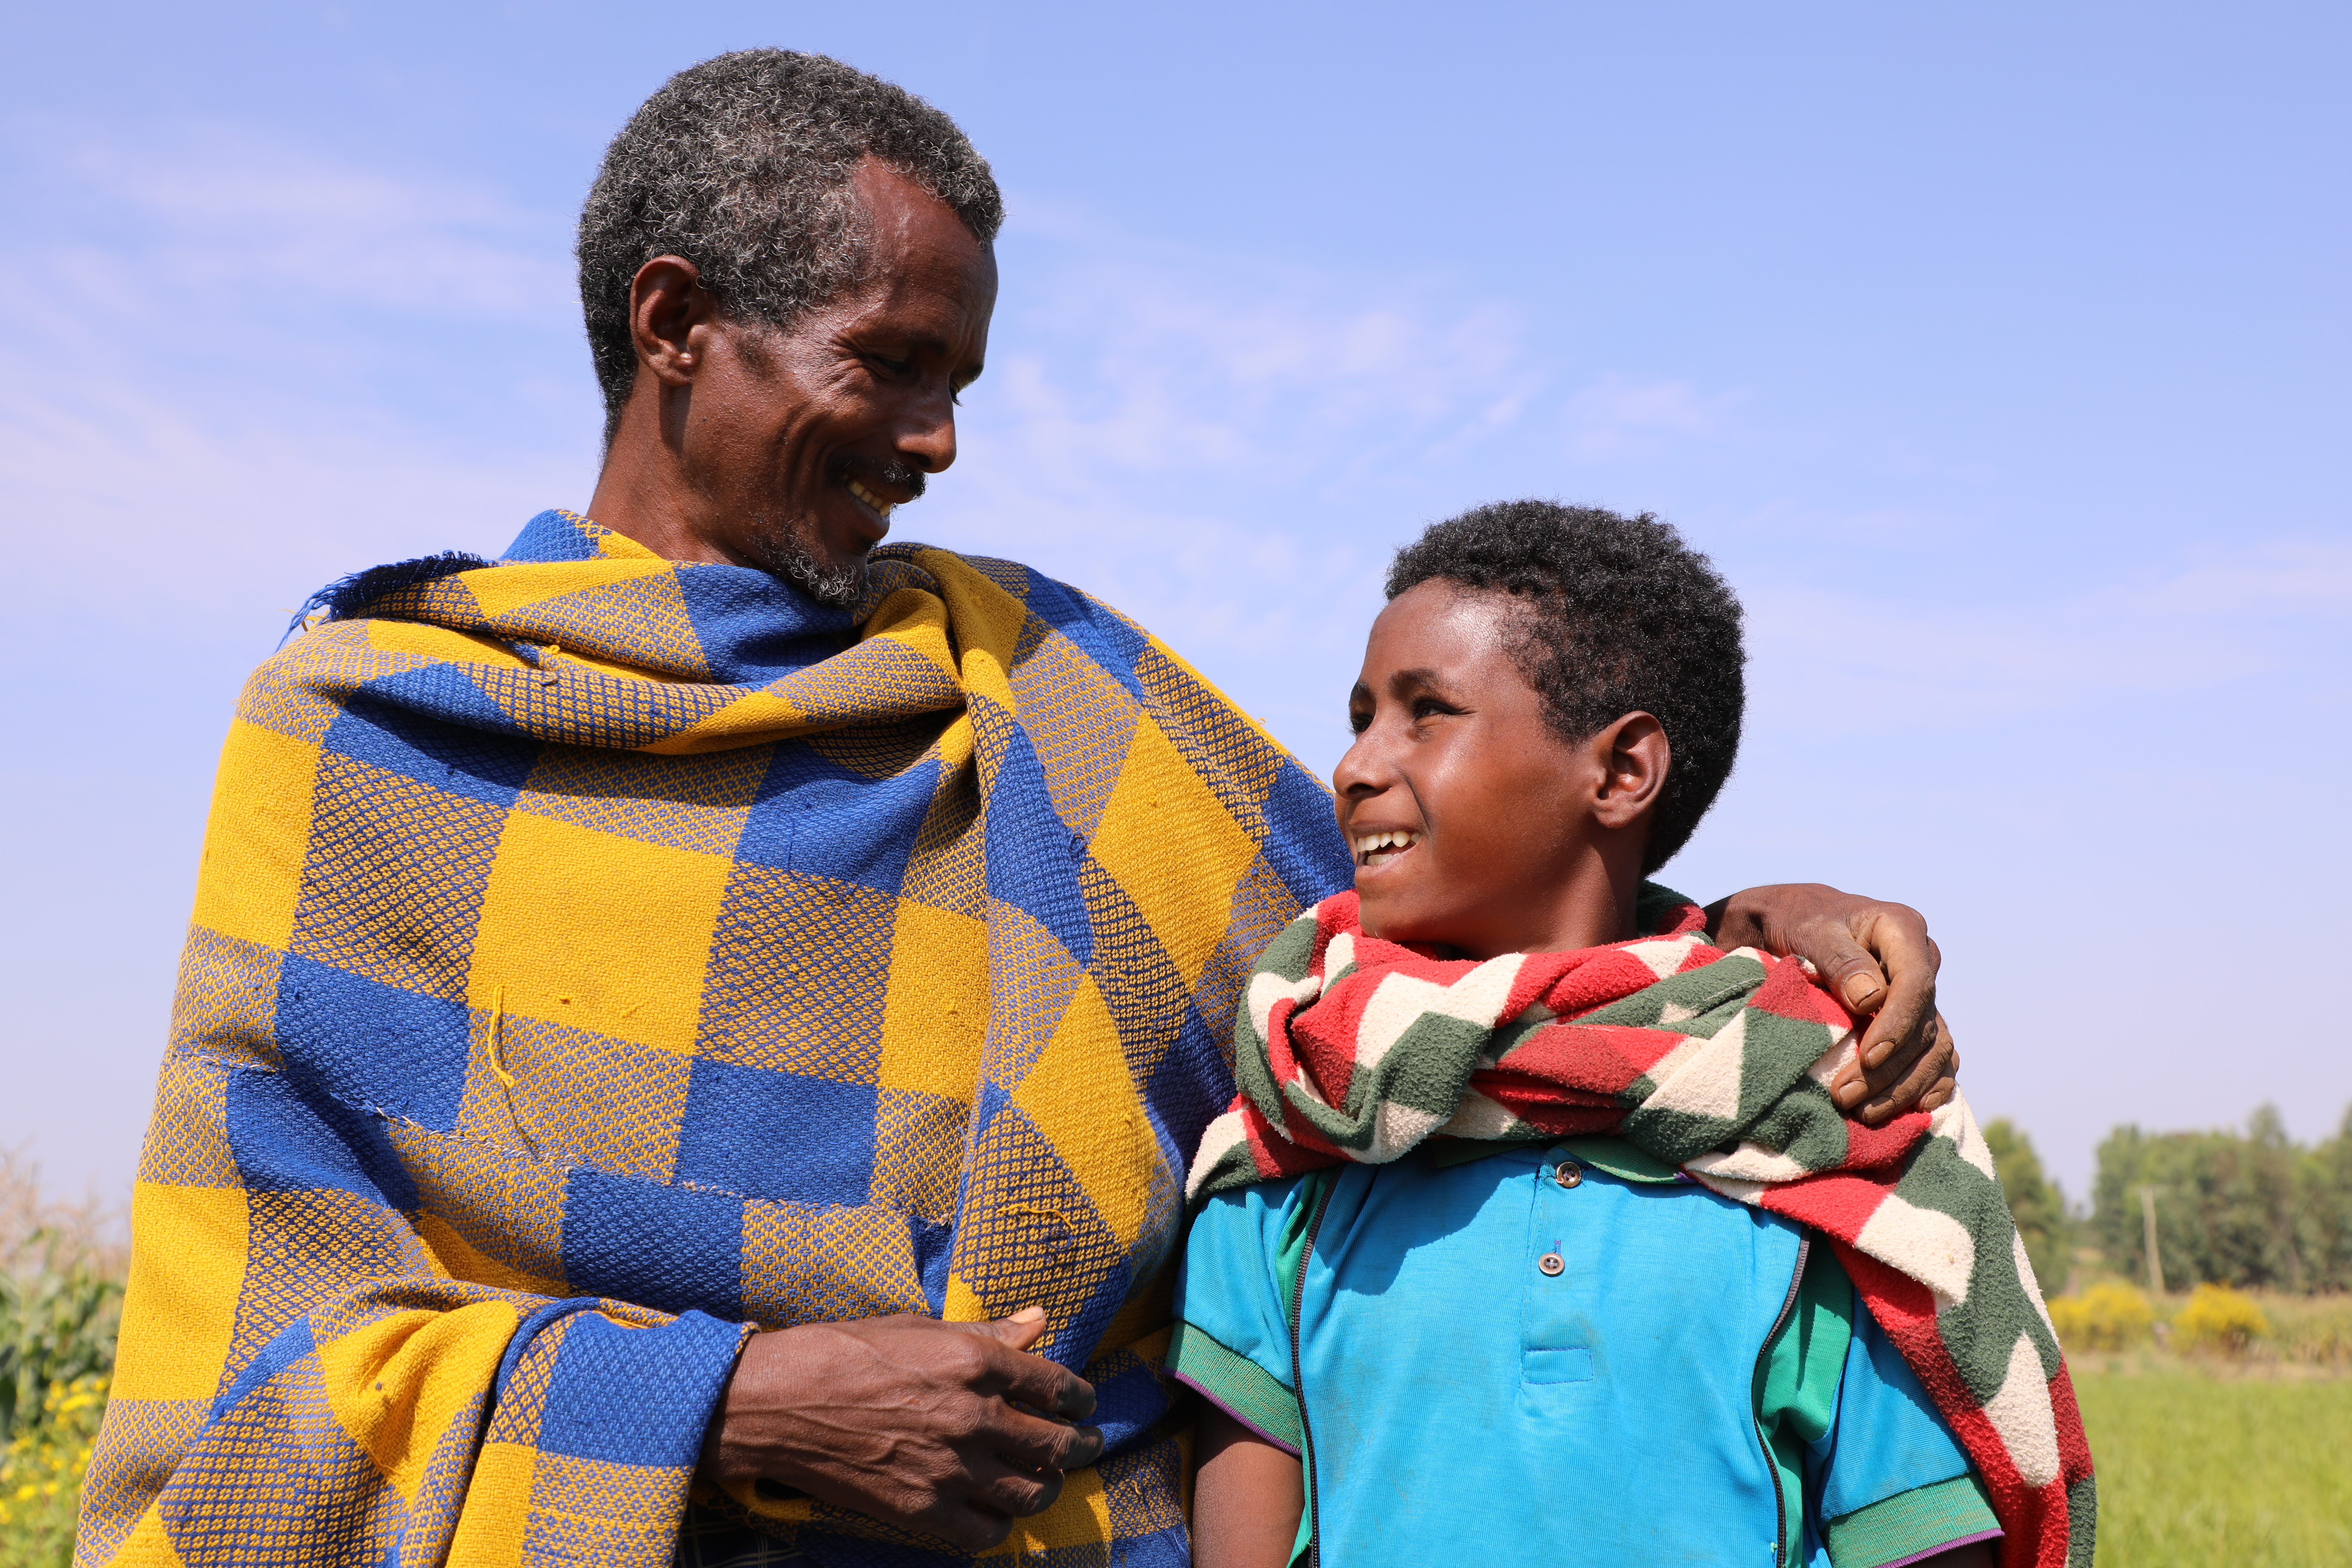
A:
(1617, 418)
(171, 211)
(1227, 449)
(1856, 662)
(245, 367)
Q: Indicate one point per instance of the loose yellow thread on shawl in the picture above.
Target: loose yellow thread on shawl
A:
(497, 1020)
(498, 1065)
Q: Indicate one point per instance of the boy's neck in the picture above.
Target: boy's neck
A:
(1593, 907)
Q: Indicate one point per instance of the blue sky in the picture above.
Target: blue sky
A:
(1996, 353)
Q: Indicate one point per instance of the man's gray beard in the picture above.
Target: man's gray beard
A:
(837, 587)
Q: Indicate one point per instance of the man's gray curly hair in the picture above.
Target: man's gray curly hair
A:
(741, 165)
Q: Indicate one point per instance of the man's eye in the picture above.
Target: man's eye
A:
(895, 367)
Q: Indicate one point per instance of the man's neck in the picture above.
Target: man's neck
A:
(643, 492)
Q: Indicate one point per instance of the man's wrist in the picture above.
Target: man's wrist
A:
(723, 1459)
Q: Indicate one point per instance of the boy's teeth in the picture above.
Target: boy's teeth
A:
(1369, 844)
(880, 505)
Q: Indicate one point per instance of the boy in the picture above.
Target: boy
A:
(1520, 1340)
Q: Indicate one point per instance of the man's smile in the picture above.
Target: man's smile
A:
(873, 502)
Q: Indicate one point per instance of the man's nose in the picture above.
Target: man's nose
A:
(928, 439)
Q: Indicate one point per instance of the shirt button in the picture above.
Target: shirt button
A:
(1551, 1263)
(1568, 1173)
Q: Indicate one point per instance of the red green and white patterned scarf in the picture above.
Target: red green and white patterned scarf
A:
(1348, 1048)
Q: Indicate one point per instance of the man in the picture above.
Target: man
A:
(690, 1035)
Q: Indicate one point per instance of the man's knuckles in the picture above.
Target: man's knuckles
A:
(1082, 1447)
(965, 1359)
(1900, 919)
(1022, 1496)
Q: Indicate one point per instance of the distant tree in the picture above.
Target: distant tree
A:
(2243, 1209)
(2034, 1199)
(2327, 1201)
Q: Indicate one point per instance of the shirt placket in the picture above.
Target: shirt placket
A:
(1557, 1346)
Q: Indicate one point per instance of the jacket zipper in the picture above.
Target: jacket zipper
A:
(1299, 1378)
(1771, 1465)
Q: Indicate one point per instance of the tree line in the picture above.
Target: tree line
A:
(2250, 1208)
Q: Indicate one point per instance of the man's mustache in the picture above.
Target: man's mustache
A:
(891, 471)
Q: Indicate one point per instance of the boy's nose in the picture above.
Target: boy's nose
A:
(1355, 776)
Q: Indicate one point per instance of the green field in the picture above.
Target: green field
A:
(2197, 1469)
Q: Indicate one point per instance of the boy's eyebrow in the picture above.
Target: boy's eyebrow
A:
(1420, 675)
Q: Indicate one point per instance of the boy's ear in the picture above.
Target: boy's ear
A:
(1634, 757)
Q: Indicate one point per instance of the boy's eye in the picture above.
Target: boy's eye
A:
(1359, 721)
(1429, 706)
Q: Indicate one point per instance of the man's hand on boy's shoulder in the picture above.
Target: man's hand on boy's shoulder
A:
(1878, 958)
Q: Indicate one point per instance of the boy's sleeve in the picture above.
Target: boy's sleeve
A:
(1233, 1306)
(1886, 1481)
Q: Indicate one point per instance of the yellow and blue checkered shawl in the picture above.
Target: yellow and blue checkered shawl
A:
(594, 955)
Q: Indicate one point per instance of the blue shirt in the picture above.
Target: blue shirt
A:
(1564, 1355)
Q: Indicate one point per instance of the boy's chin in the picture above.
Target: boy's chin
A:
(1394, 919)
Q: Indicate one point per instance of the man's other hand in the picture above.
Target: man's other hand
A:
(913, 1422)
(1877, 958)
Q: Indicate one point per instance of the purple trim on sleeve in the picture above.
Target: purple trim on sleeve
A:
(1262, 1434)
(1931, 1551)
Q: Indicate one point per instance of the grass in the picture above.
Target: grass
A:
(2202, 1464)
(2215, 1448)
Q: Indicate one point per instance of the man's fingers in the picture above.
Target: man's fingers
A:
(1921, 1079)
(1028, 1443)
(969, 1525)
(1897, 937)
(1028, 1379)
(1005, 1489)
(1040, 1384)
(1845, 967)
(1873, 1089)
(1022, 1330)
(1856, 1085)
(1925, 1069)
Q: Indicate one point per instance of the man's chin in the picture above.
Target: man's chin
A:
(834, 583)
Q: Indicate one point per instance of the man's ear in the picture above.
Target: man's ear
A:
(666, 303)
(1634, 757)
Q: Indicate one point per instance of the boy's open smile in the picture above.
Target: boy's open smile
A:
(1379, 846)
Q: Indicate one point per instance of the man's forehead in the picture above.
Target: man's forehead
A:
(895, 204)
(921, 258)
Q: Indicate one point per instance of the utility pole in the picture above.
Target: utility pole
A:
(2155, 1259)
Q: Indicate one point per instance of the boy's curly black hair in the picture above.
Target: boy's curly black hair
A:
(1622, 616)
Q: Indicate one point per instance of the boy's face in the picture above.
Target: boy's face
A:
(1475, 825)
